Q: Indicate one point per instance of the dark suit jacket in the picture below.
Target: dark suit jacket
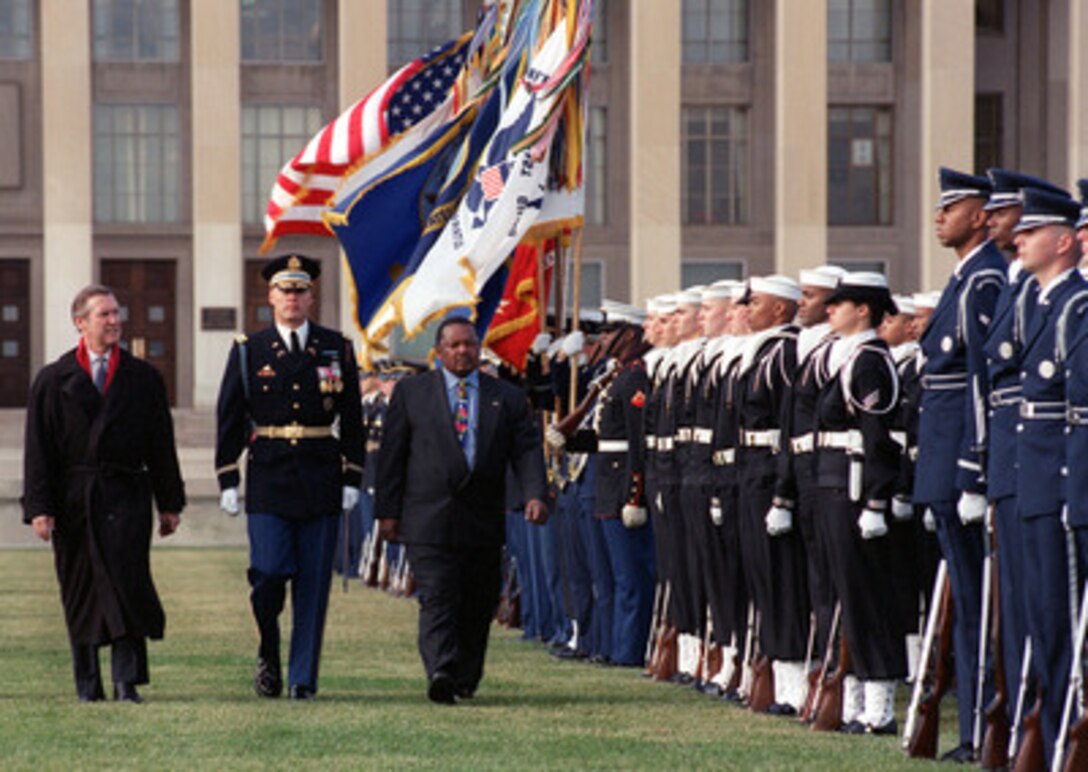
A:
(423, 478)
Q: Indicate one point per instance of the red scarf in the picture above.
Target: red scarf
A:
(83, 356)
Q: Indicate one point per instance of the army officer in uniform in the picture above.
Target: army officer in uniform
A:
(281, 394)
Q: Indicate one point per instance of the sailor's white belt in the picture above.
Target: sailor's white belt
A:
(806, 443)
(1010, 395)
(944, 381)
(651, 442)
(702, 436)
(294, 432)
(724, 457)
(665, 443)
(900, 438)
(847, 440)
(1077, 415)
(1043, 411)
(683, 434)
(764, 438)
(612, 446)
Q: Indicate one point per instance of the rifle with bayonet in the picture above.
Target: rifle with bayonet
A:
(924, 717)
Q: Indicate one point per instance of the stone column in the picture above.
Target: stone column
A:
(800, 136)
(67, 153)
(654, 155)
(1077, 143)
(218, 267)
(947, 117)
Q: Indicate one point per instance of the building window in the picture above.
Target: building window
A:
(859, 31)
(988, 133)
(715, 31)
(417, 26)
(874, 266)
(990, 16)
(599, 44)
(270, 135)
(596, 167)
(715, 167)
(136, 30)
(592, 284)
(282, 31)
(706, 272)
(16, 29)
(136, 164)
(859, 166)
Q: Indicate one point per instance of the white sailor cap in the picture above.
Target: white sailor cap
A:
(722, 290)
(666, 304)
(777, 285)
(905, 304)
(864, 287)
(616, 312)
(692, 296)
(926, 301)
(826, 276)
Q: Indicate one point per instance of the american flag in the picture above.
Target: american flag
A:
(411, 95)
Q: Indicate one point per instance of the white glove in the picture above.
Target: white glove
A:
(633, 517)
(541, 343)
(573, 343)
(553, 348)
(929, 521)
(902, 509)
(349, 497)
(228, 501)
(971, 507)
(872, 524)
(554, 437)
(779, 521)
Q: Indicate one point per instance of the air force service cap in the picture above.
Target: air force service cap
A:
(1008, 184)
(1041, 207)
(956, 186)
(291, 271)
(1082, 188)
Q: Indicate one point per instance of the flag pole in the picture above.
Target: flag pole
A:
(576, 304)
(560, 283)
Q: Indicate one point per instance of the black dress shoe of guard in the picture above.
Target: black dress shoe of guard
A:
(267, 681)
(733, 696)
(300, 692)
(961, 754)
(441, 690)
(889, 728)
(853, 727)
(462, 692)
(782, 709)
(123, 692)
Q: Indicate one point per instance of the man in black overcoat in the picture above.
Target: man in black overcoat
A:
(450, 435)
(99, 447)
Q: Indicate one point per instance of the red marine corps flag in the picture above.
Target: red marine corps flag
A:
(517, 320)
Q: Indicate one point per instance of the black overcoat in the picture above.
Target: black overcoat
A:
(94, 463)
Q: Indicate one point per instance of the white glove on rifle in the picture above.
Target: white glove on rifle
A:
(541, 343)
(554, 437)
(872, 524)
(633, 517)
(902, 509)
(779, 521)
(573, 344)
(349, 497)
(553, 347)
(228, 501)
(971, 507)
(929, 520)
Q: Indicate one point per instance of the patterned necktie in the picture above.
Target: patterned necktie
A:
(100, 368)
(294, 342)
(460, 412)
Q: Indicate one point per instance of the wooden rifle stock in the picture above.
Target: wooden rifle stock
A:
(818, 678)
(383, 568)
(1031, 757)
(828, 716)
(664, 666)
(923, 745)
(373, 559)
(995, 742)
(568, 425)
(762, 696)
(1076, 755)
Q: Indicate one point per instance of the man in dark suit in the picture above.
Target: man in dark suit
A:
(450, 436)
(99, 447)
(283, 390)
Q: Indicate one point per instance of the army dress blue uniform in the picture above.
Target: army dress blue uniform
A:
(280, 407)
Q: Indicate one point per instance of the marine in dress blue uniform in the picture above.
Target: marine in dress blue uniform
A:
(279, 405)
(1047, 247)
(949, 478)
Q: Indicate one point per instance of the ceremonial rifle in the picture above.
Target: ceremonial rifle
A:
(995, 742)
(983, 629)
(660, 590)
(928, 634)
(927, 714)
(812, 674)
(816, 690)
(1074, 695)
(1031, 756)
(761, 696)
(828, 709)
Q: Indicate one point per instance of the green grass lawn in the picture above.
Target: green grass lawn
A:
(371, 712)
